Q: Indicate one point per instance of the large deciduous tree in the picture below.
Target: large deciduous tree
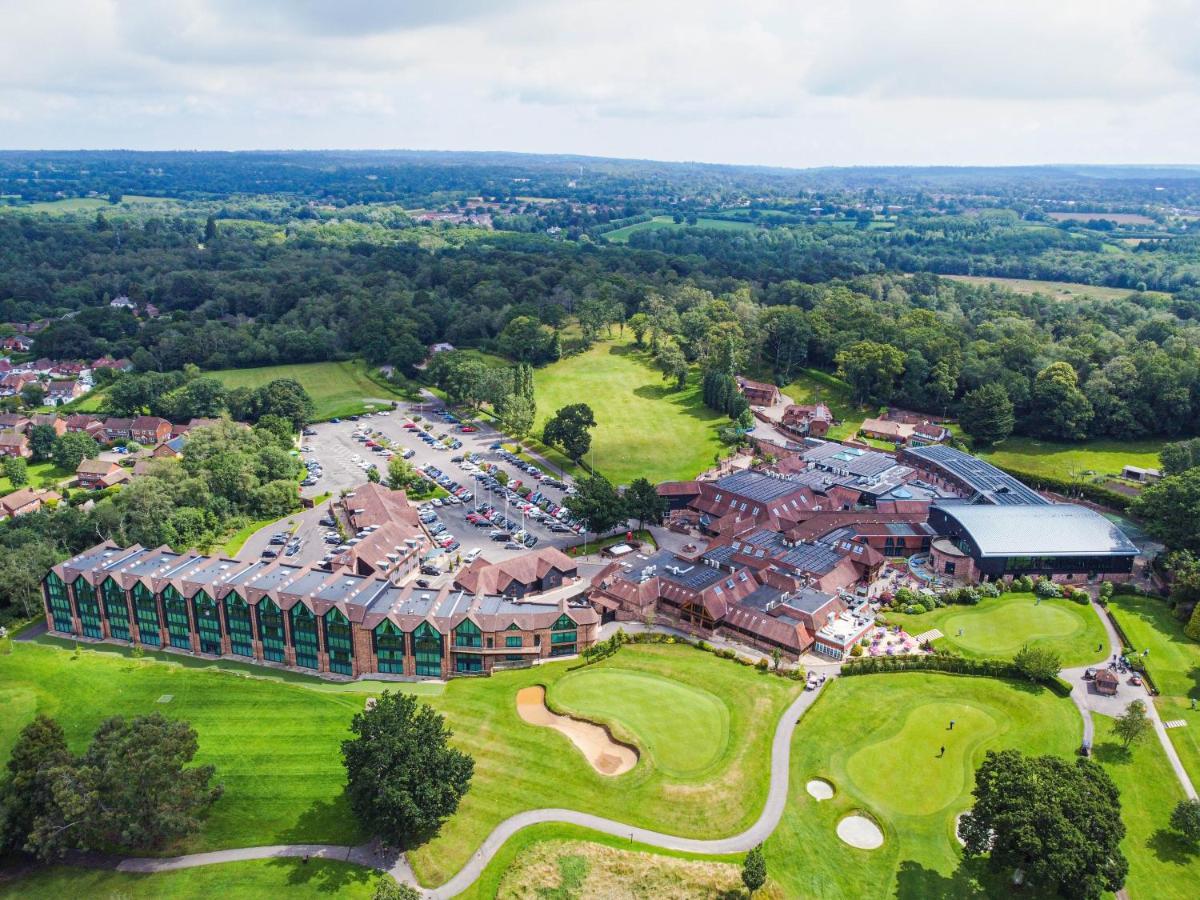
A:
(1171, 510)
(597, 503)
(871, 368)
(404, 778)
(987, 414)
(1058, 408)
(644, 503)
(1058, 821)
(569, 429)
(73, 448)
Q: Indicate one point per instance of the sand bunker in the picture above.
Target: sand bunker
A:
(820, 789)
(606, 755)
(958, 828)
(860, 832)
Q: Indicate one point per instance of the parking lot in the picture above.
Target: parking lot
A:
(343, 459)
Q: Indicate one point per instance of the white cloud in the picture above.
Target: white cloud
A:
(764, 81)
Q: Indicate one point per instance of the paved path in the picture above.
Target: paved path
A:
(395, 864)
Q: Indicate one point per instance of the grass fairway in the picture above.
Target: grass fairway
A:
(998, 627)
(1174, 664)
(684, 730)
(1160, 865)
(337, 388)
(1059, 460)
(643, 427)
(229, 881)
(621, 235)
(877, 738)
(815, 386)
(275, 742)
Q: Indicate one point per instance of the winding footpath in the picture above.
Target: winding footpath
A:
(395, 864)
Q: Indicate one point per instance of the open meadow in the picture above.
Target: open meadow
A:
(338, 389)
(1071, 461)
(621, 235)
(1057, 290)
(996, 628)
(644, 428)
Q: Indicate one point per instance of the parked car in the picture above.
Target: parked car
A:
(270, 554)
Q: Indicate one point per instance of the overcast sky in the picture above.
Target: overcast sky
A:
(798, 83)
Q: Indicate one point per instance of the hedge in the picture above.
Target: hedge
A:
(948, 663)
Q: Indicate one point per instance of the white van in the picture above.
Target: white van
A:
(471, 556)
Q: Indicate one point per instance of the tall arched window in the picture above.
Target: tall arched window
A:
(562, 636)
(145, 610)
(60, 604)
(270, 629)
(339, 643)
(427, 650)
(88, 607)
(175, 611)
(115, 609)
(304, 636)
(389, 647)
(239, 626)
(208, 623)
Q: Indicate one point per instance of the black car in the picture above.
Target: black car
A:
(270, 554)
(422, 582)
(430, 570)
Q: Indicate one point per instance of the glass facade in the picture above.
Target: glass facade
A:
(468, 662)
(239, 626)
(427, 649)
(467, 634)
(60, 604)
(270, 630)
(304, 636)
(339, 643)
(175, 609)
(562, 632)
(145, 610)
(513, 640)
(115, 609)
(389, 647)
(208, 623)
(89, 608)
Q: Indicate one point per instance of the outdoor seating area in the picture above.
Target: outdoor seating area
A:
(892, 641)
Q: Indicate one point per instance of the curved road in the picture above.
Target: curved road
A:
(397, 866)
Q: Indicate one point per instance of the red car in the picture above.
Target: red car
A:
(411, 426)
(468, 429)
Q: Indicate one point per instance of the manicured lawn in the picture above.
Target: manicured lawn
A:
(337, 388)
(38, 472)
(1072, 461)
(239, 537)
(815, 386)
(621, 235)
(684, 731)
(643, 427)
(229, 881)
(1173, 663)
(998, 627)
(1160, 865)
(877, 739)
(275, 742)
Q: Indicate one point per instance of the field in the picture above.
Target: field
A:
(998, 627)
(1061, 460)
(1119, 218)
(643, 427)
(621, 235)
(1057, 290)
(1173, 663)
(813, 386)
(877, 740)
(68, 205)
(230, 881)
(38, 472)
(337, 388)
(275, 742)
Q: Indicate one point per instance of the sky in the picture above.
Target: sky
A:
(801, 83)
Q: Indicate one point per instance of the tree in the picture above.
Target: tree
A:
(25, 793)
(401, 475)
(286, 398)
(524, 339)
(568, 429)
(516, 415)
(210, 230)
(786, 334)
(597, 503)
(403, 778)
(73, 448)
(16, 471)
(644, 503)
(1058, 822)
(130, 789)
(373, 475)
(1037, 663)
(871, 368)
(388, 889)
(1058, 408)
(1132, 725)
(33, 394)
(1185, 818)
(673, 363)
(41, 442)
(639, 324)
(987, 414)
(754, 870)
(1171, 510)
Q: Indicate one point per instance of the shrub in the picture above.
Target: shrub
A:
(1047, 589)
(762, 665)
(989, 589)
(856, 650)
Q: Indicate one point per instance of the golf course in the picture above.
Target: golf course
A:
(996, 628)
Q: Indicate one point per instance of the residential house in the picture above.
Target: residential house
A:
(758, 393)
(117, 429)
(57, 423)
(170, 449)
(60, 392)
(11, 384)
(94, 474)
(11, 421)
(17, 343)
(149, 430)
(14, 443)
(530, 573)
(806, 421)
(26, 500)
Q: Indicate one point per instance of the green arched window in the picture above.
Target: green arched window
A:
(513, 637)
(145, 610)
(179, 631)
(304, 636)
(339, 643)
(389, 647)
(88, 607)
(467, 634)
(270, 629)
(562, 636)
(239, 626)
(115, 609)
(208, 623)
(60, 604)
(427, 650)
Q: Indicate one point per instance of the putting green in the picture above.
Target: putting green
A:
(905, 772)
(1000, 626)
(684, 729)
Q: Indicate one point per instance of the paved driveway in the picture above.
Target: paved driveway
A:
(307, 529)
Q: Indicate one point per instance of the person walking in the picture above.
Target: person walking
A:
(951, 724)
(942, 752)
